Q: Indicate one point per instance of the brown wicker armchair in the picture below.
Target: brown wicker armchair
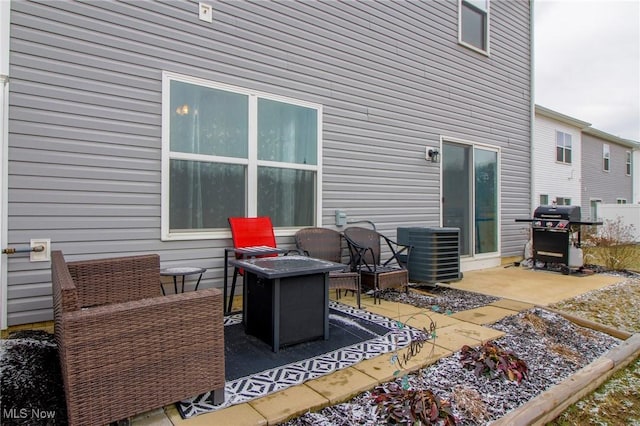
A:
(124, 348)
(366, 257)
(325, 243)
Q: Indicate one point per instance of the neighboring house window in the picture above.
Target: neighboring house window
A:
(544, 199)
(621, 200)
(228, 151)
(606, 158)
(628, 170)
(562, 201)
(474, 24)
(563, 147)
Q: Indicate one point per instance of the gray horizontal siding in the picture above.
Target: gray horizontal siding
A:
(599, 184)
(85, 114)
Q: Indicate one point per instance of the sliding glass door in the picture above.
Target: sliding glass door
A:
(470, 196)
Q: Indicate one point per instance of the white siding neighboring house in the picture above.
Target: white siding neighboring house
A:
(557, 158)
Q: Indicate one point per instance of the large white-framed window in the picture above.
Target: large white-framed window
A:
(606, 158)
(229, 151)
(473, 24)
(563, 147)
(628, 164)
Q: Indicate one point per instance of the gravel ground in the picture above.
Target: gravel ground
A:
(32, 392)
(445, 300)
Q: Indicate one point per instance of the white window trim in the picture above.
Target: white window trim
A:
(251, 161)
(488, 30)
(628, 166)
(5, 21)
(564, 148)
(606, 154)
(620, 200)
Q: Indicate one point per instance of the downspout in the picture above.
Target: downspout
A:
(635, 174)
(533, 104)
(5, 22)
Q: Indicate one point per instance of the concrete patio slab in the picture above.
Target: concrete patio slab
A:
(483, 315)
(382, 367)
(152, 418)
(283, 405)
(237, 415)
(512, 305)
(342, 385)
(537, 287)
(455, 336)
(422, 320)
(390, 309)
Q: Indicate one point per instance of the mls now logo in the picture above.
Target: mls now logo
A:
(27, 413)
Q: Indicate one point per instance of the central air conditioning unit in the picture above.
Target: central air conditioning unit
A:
(435, 254)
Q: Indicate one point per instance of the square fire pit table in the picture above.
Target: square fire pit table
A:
(287, 298)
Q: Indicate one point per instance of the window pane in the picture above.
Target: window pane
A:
(594, 209)
(457, 192)
(486, 194)
(480, 4)
(287, 196)
(544, 199)
(559, 154)
(567, 156)
(204, 195)
(287, 133)
(559, 139)
(473, 26)
(208, 121)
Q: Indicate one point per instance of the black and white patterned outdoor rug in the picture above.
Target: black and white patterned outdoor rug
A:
(369, 334)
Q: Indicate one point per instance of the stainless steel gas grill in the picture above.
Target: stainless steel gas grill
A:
(556, 237)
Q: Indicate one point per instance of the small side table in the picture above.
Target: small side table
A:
(181, 272)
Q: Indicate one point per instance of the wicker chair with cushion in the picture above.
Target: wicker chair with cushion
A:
(124, 348)
(365, 250)
(325, 243)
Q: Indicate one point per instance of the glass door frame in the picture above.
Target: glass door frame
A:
(472, 234)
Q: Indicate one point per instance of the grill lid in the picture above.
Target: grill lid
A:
(570, 213)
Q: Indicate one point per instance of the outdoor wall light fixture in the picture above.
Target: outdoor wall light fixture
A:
(433, 155)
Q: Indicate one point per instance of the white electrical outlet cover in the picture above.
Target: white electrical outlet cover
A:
(40, 256)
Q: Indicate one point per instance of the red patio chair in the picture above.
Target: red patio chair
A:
(249, 232)
(252, 231)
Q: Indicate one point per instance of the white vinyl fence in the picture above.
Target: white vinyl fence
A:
(629, 214)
